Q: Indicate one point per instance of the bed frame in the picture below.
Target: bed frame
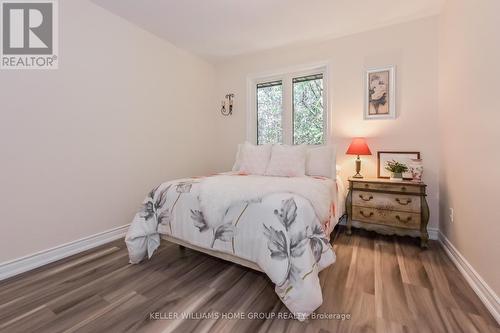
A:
(224, 255)
(213, 253)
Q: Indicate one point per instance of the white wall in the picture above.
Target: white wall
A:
(469, 124)
(412, 47)
(81, 146)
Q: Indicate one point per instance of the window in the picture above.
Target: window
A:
(290, 109)
(308, 112)
(269, 112)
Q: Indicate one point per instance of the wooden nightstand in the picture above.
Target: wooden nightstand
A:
(388, 207)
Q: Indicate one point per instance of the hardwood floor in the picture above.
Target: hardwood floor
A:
(385, 284)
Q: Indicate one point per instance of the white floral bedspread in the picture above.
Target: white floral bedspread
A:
(279, 231)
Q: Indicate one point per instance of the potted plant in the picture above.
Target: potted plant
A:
(396, 169)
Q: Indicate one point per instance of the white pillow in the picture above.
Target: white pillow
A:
(254, 159)
(321, 161)
(288, 161)
(239, 155)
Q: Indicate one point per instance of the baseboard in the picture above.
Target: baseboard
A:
(32, 261)
(433, 233)
(484, 292)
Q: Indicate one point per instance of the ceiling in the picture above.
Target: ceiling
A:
(223, 28)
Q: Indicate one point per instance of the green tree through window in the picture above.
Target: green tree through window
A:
(298, 119)
(269, 112)
(308, 111)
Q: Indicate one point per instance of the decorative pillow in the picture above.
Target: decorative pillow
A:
(288, 161)
(254, 159)
(239, 155)
(321, 161)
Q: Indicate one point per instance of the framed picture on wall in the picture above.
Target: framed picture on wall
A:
(380, 97)
(398, 156)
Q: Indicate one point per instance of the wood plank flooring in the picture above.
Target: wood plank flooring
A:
(384, 283)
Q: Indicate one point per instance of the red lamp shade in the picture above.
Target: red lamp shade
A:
(358, 146)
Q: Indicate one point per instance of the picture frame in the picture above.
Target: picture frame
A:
(380, 93)
(399, 156)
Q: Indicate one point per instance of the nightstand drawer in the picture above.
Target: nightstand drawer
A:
(399, 202)
(403, 188)
(386, 217)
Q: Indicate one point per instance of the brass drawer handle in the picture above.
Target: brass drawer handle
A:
(367, 185)
(408, 219)
(403, 188)
(401, 202)
(365, 199)
(366, 215)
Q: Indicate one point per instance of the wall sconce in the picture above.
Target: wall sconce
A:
(229, 102)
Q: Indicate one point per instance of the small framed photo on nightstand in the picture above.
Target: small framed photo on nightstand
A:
(399, 156)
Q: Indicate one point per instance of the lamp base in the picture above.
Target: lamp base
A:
(358, 168)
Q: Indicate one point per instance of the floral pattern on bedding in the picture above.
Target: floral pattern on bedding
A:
(280, 232)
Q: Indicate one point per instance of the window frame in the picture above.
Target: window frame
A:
(286, 76)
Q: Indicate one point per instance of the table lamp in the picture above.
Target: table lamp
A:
(358, 147)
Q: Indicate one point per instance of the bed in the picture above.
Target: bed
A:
(278, 225)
